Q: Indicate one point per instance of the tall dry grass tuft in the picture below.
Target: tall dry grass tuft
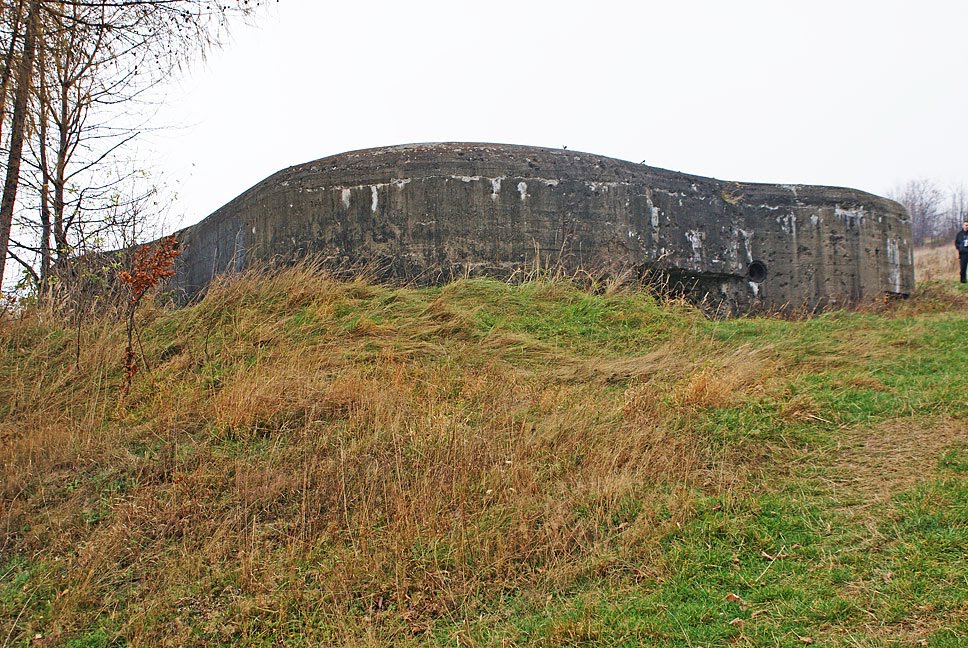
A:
(358, 458)
(932, 263)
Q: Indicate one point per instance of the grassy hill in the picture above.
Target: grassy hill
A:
(309, 462)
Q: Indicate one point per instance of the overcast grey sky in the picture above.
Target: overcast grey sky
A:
(858, 93)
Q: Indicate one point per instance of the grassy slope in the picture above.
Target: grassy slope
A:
(310, 462)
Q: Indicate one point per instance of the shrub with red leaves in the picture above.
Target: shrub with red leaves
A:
(151, 264)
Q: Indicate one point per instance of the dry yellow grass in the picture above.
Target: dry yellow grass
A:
(353, 464)
(279, 461)
(939, 262)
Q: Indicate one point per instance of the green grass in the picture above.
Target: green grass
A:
(781, 567)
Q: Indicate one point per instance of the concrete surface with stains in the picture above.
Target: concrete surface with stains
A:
(428, 213)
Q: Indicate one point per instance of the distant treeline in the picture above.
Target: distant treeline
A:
(936, 213)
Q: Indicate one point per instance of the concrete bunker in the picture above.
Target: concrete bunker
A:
(428, 213)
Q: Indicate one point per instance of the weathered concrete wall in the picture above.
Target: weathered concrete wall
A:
(428, 212)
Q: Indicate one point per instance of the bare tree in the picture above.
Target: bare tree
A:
(69, 65)
(18, 123)
(924, 201)
(957, 210)
(75, 193)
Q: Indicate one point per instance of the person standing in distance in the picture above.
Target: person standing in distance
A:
(961, 242)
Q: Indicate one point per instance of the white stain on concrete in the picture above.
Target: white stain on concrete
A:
(496, 187)
(654, 214)
(788, 223)
(855, 215)
(695, 238)
(605, 186)
(523, 190)
(893, 264)
(374, 198)
(346, 193)
(747, 244)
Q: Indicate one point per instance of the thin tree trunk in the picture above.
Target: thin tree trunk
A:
(60, 174)
(130, 363)
(8, 61)
(17, 126)
(45, 217)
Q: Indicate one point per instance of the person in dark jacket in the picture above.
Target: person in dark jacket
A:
(961, 243)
